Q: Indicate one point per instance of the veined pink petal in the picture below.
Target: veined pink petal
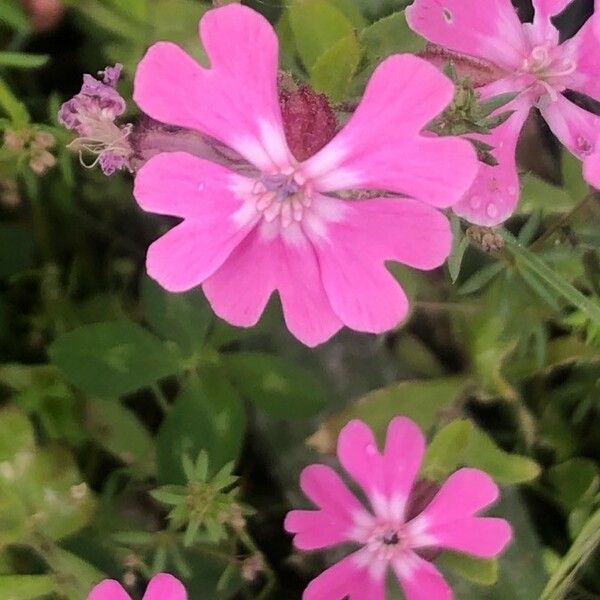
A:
(591, 170)
(420, 580)
(334, 522)
(484, 537)
(236, 100)
(494, 195)
(549, 8)
(183, 185)
(264, 262)
(489, 29)
(575, 127)
(584, 49)
(189, 253)
(542, 28)
(381, 146)
(386, 479)
(109, 590)
(164, 587)
(347, 580)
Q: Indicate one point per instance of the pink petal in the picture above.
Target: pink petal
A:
(575, 127)
(346, 580)
(236, 100)
(449, 521)
(183, 185)
(264, 262)
(542, 29)
(109, 590)
(549, 8)
(165, 587)
(481, 537)
(591, 170)
(335, 520)
(381, 147)
(494, 196)
(420, 580)
(584, 49)
(189, 253)
(489, 29)
(386, 479)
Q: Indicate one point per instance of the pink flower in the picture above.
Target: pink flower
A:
(591, 168)
(284, 229)
(387, 535)
(162, 587)
(535, 64)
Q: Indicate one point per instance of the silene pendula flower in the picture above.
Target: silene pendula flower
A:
(162, 587)
(591, 167)
(530, 60)
(282, 227)
(92, 114)
(388, 535)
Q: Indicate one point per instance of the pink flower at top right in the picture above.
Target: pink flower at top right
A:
(533, 62)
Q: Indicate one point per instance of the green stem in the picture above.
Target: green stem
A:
(560, 223)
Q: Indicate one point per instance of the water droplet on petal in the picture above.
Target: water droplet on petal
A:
(371, 450)
(475, 202)
(492, 210)
(201, 187)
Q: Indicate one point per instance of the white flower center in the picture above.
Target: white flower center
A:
(282, 196)
(550, 67)
(387, 540)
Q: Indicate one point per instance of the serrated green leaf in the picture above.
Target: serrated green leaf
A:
(333, 71)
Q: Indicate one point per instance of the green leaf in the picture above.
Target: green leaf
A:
(420, 400)
(459, 247)
(14, 16)
(483, 453)
(119, 431)
(537, 194)
(12, 106)
(275, 385)
(317, 26)
(477, 570)
(16, 433)
(529, 260)
(572, 173)
(480, 279)
(23, 60)
(26, 587)
(333, 71)
(114, 358)
(573, 481)
(207, 415)
(110, 19)
(446, 450)
(182, 318)
(351, 11)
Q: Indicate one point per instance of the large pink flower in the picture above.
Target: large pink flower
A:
(162, 587)
(283, 229)
(387, 536)
(591, 168)
(533, 62)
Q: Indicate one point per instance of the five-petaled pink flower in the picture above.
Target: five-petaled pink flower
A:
(591, 167)
(389, 537)
(162, 587)
(536, 65)
(283, 228)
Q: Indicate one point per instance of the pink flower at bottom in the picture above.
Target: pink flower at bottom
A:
(286, 228)
(388, 537)
(162, 587)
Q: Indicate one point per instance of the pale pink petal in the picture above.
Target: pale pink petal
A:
(494, 195)
(584, 50)
(386, 479)
(542, 29)
(109, 590)
(420, 580)
(264, 262)
(165, 587)
(236, 100)
(346, 580)
(183, 185)
(480, 536)
(189, 253)
(381, 147)
(549, 8)
(575, 127)
(489, 29)
(335, 521)
(591, 170)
